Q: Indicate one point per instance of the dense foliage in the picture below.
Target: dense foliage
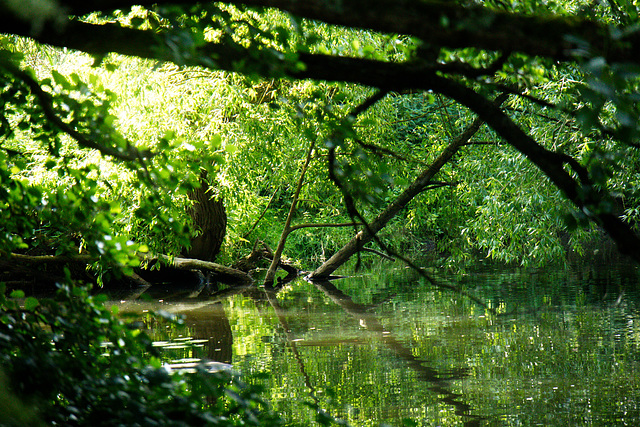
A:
(309, 119)
(162, 123)
(71, 361)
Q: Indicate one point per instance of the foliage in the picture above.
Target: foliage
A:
(61, 198)
(71, 361)
(99, 150)
(249, 129)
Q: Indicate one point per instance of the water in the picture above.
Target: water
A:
(551, 347)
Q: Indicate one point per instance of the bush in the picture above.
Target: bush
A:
(71, 361)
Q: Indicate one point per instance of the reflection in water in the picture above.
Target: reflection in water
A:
(270, 293)
(212, 324)
(563, 350)
(439, 382)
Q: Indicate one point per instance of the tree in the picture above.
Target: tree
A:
(209, 216)
(464, 52)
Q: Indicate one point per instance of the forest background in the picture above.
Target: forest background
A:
(512, 125)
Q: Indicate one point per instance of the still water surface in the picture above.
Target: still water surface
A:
(553, 347)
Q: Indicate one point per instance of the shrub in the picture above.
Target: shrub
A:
(71, 360)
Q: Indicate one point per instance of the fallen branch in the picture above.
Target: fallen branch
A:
(226, 273)
(51, 259)
(262, 251)
(230, 273)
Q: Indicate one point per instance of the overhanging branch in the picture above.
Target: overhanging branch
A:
(46, 103)
(442, 24)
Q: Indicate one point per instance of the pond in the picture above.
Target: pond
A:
(551, 347)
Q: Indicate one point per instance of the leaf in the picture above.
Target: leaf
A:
(60, 79)
(110, 66)
(31, 303)
(110, 119)
(17, 294)
(137, 21)
(100, 298)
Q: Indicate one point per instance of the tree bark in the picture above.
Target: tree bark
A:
(226, 273)
(209, 217)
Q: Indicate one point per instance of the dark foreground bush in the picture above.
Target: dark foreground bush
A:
(71, 361)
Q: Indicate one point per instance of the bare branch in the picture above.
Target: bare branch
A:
(380, 254)
(264, 211)
(324, 225)
(196, 264)
(380, 151)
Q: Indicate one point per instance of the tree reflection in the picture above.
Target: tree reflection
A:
(212, 324)
(439, 381)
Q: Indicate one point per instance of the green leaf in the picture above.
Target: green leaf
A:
(61, 80)
(17, 294)
(31, 303)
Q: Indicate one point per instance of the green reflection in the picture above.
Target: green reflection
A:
(563, 348)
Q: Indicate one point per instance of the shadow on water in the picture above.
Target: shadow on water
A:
(211, 323)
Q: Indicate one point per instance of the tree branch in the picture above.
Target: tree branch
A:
(422, 181)
(271, 273)
(196, 264)
(376, 252)
(325, 225)
(52, 259)
(438, 23)
(46, 103)
(264, 211)
(381, 151)
(445, 24)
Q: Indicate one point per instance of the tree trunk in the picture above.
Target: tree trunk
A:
(210, 218)
(417, 187)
